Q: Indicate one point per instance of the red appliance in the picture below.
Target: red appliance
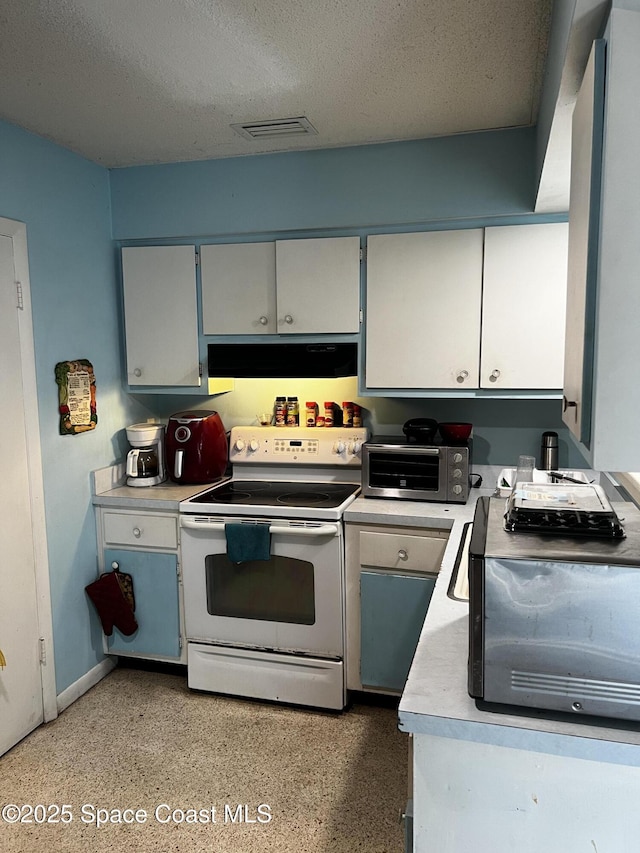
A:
(196, 445)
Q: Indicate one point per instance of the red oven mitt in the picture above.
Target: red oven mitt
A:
(112, 604)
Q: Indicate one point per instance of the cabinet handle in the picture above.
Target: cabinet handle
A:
(137, 532)
(288, 319)
(403, 554)
(494, 375)
(464, 374)
(263, 320)
(570, 404)
(137, 372)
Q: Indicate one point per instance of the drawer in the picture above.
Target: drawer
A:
(149, 531)
(401, 551)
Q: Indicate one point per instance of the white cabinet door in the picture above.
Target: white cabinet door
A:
(423, 309)
(318, 285)
(524, 296)
(238, 289)
(160, 313)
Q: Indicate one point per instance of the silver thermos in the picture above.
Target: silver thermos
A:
(549, 451)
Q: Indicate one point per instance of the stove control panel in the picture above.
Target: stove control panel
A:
(297, 445)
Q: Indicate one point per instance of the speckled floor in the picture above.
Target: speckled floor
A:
(304, 780)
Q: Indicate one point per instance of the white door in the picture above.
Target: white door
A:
(423, 309)
(239, 289)
(161, 315)
(524, 298)
(21, 700)
(318, 285)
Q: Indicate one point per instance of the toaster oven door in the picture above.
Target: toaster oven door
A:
(412, 473)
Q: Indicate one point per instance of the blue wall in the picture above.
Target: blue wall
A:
(471, 176)
(64, 201)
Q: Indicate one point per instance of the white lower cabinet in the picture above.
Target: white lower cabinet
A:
(391, 573)
(472, 309)
(145, 546)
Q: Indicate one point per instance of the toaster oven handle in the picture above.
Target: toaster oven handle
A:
(214, 526)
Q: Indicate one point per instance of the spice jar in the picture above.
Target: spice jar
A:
(280, 412)
(293, 412)
(311, 413)
(357, 415)
(347, 413)
(328, 414)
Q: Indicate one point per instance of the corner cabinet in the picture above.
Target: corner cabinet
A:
(601, 403)
(391, 574)
(475, 309)
(309, 286)
(161, 316)
(145, 545)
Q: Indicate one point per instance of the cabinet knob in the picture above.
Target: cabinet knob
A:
(495, 374)
(288, 319)
(263, 320)
(403, 554)
(137, 372)
(115, 566)
(137, 532)
(464, 374)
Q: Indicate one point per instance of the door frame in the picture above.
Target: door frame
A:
(17, 232)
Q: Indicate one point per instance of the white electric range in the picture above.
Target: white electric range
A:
(272, 625)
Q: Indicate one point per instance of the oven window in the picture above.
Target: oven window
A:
(277, 590)
(404, 471)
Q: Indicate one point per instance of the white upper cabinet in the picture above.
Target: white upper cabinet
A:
(239, 289)
(602, 392)
(524, 295)
(423, 307)
(160, 313)
(318, 285)
(283, 287)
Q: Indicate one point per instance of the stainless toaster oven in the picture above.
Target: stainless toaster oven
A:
(553, 617)
(392, 467)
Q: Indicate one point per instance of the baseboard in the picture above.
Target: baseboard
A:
(86, 682)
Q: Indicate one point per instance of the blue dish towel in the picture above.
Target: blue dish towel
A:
(248, 542)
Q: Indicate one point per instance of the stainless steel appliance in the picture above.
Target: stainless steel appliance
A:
(393, 467)
(554, 616)
(271, 626)
(145, 461)
(197, 449)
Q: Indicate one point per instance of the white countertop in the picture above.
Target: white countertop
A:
(108, 490)
(435, 699)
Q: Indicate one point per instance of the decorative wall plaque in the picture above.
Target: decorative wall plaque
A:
(77, 396)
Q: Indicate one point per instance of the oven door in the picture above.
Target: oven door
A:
(410, 472)
(292, 602)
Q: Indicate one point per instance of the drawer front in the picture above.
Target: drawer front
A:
(401, 551)
(149, 531)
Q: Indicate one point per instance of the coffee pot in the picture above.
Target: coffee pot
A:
(145, 461)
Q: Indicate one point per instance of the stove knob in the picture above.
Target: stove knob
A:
(253, 444)
(356, 447)
(239, 444)
(338, 447)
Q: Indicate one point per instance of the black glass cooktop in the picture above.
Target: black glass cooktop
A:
(278, 493)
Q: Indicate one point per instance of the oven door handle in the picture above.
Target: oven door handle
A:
(321, 530)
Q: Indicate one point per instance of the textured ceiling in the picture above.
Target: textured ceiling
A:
(126, 82)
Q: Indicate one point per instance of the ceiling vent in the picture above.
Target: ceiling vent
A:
(275, 129)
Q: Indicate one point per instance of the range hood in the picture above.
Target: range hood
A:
(283, 360)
